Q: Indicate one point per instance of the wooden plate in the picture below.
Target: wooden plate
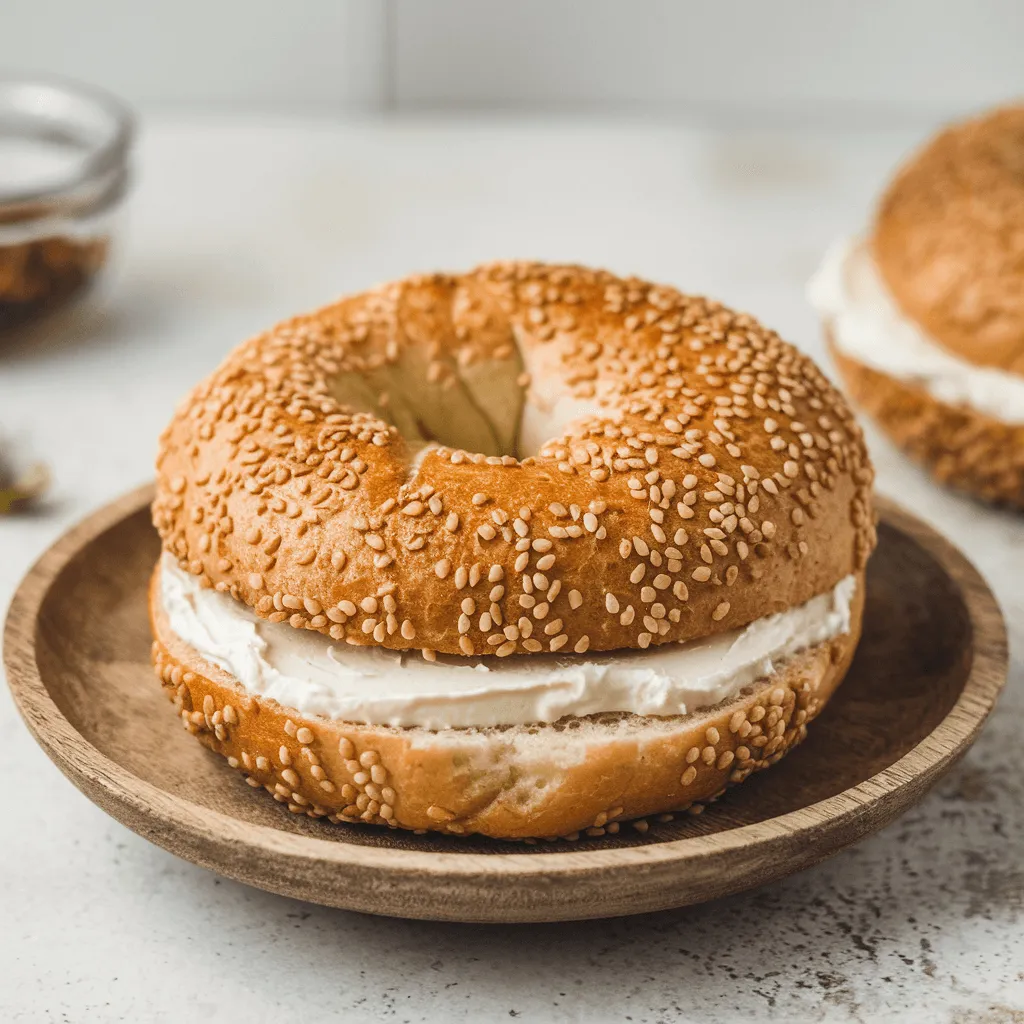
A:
(927, 672)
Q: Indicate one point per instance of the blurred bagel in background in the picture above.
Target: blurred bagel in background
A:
(925, 314)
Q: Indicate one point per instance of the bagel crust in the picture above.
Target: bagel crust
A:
(578, 775)
(961, 447)
(710, 474)
(949, 239)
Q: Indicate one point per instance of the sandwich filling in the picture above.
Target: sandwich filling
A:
(868, 326)
(318, 676)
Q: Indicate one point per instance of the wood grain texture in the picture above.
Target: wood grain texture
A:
(930, 666)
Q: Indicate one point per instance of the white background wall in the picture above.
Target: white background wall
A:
(776, 59)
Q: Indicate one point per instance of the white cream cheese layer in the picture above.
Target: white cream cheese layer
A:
(869, 327)
(315, 675)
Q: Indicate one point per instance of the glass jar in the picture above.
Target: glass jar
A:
(64, 152)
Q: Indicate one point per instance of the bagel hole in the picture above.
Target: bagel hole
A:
(492, 407)
(477, 408)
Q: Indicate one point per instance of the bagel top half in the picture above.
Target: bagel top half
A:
(949, 239)
(518, 459)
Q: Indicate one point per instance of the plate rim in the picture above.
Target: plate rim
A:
(86, 766)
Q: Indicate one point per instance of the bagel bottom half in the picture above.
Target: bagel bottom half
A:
(961, 447)
(579, 774)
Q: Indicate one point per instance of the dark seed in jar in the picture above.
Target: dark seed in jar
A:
(41, 275)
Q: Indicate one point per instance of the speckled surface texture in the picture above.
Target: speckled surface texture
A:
(923, 922)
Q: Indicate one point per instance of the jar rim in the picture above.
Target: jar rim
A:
(57, 109)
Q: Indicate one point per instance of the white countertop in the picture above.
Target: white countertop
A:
(235, 224)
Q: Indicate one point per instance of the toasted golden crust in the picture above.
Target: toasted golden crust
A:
(717, 478)
(958, 445)
(553, 780)
(949, 239)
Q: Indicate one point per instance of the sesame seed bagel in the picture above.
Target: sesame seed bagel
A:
(580, 774)
(518, 459)
(949, 239)
(960, 446)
